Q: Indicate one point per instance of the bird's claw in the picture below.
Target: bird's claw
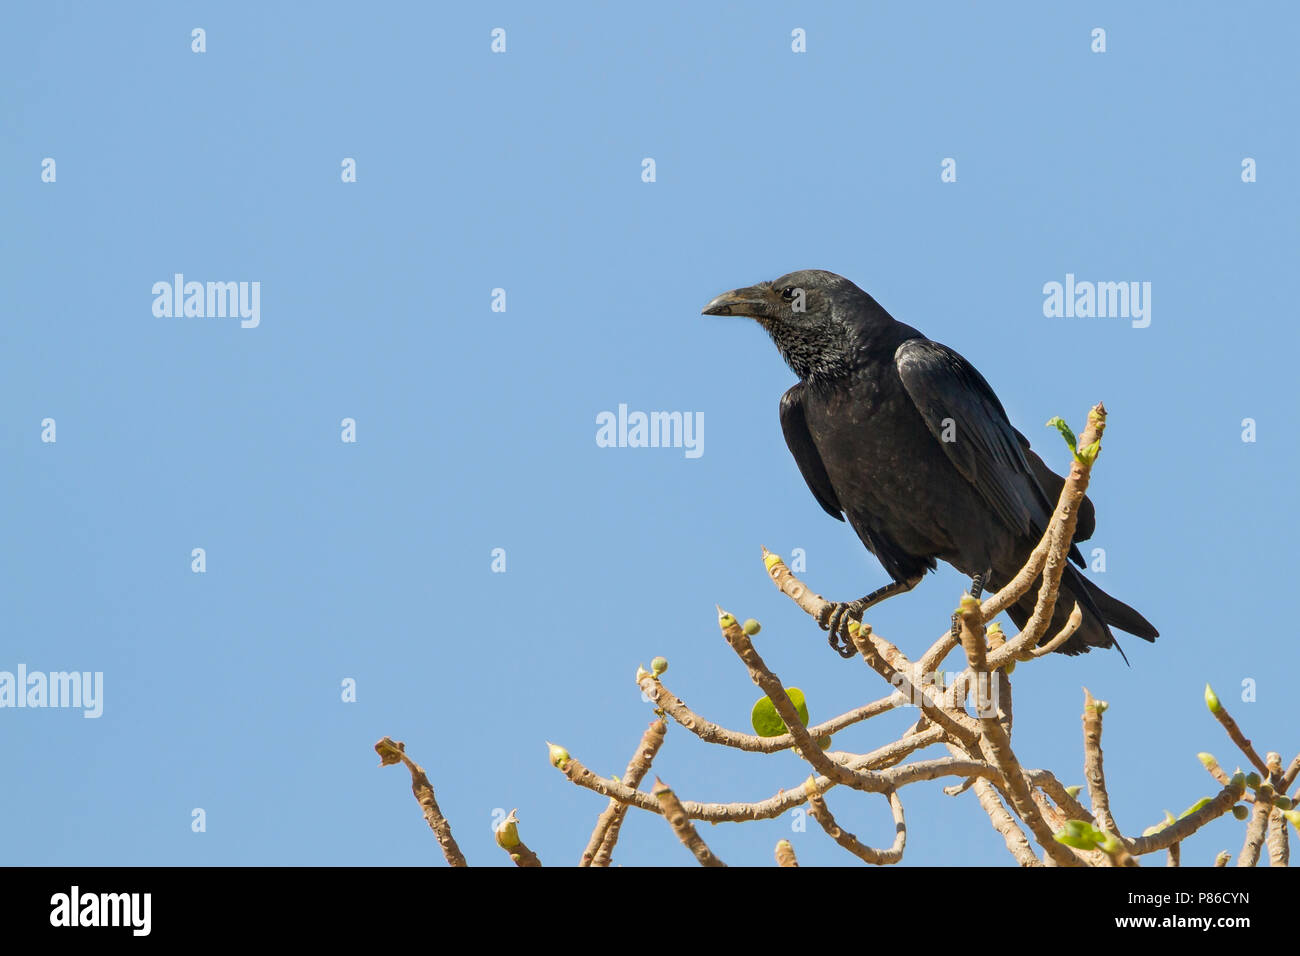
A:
(835, 618)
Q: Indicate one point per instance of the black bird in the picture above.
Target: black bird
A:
(905, 439)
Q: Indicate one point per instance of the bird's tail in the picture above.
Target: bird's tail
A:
(1099, 610)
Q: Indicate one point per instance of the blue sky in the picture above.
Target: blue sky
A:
(476, 429)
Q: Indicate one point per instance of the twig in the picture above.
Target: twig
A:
(1063, 635)
(1279, 847)
(394, 751)
(713, 733)
(996, 745)
(1092, 764)
(1249, 855)
(785, 854)
(880, 782)
(681, 824)
(1071, 807)
(1059, 537)
(601, 845)
(1221, 714)
(822, 814)
(1017, 843)
(1005, 823)
(771, 685)
(882, 656)
(1180, 830)
(1292, 772)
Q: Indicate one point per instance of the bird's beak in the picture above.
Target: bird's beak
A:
(754, 302)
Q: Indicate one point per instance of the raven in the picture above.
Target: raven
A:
(905, 439)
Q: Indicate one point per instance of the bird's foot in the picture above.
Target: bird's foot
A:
(835, 618)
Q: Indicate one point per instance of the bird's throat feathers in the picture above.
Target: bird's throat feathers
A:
(818, 355)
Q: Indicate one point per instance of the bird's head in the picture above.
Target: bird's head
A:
(814, 317)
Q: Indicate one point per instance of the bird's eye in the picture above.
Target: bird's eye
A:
(788, 293)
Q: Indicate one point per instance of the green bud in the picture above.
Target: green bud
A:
(1282, 803)
(1207, 760)
(1240, 811)
(1265, 792)
(1100, 706)
(1293, 816)
(825, 743)
(751, 627)
(1212, 700)
(507, 832)
(1195, 806)
(559, 756)
(771, 560)
(659, 665)
(1252, 780)
(1075, 790)
(1010, 668)
(642, 673)
(1238, 780)
(1088, 453)
(725, 620)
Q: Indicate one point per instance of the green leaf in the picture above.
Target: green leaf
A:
(768, 723)
(1080, 835)
(1059, 424)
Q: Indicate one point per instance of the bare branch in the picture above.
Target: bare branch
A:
(1249, 855)
(601, 845)
(1060, 534)
(1234, 732)
(822, 814)
(1180, 830)
(996, 745)
(681, 824)
(394, 751)
(1092, 764)
(713, 733)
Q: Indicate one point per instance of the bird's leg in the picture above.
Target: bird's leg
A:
(836, 615)
(976, 589)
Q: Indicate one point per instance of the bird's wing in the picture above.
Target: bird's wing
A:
(800, 442)
(971, 426)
